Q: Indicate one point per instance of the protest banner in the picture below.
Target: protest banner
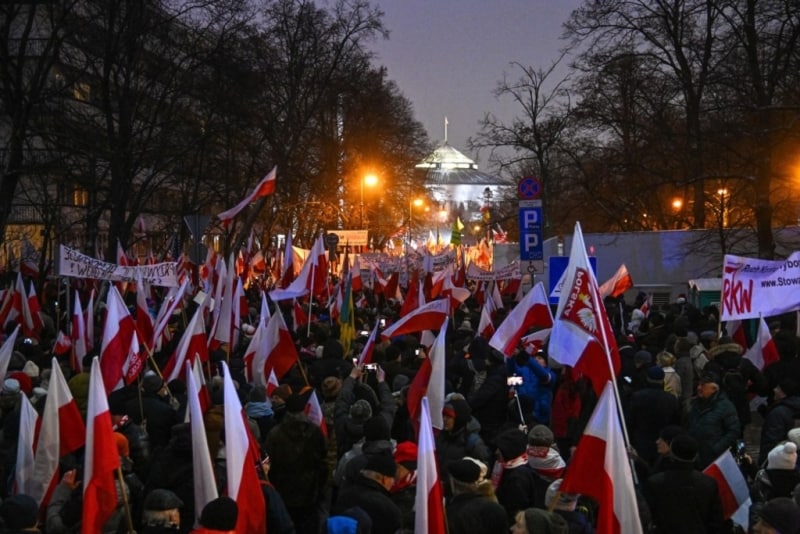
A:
(752, 287)
(75, 264)
(509, 271)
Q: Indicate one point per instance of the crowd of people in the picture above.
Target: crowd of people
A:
(510, 427)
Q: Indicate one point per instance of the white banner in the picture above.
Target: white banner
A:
(752, 287)
(78, 265)
(509, 271)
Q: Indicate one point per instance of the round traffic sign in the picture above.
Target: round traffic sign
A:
(529, 188)
(331, 240)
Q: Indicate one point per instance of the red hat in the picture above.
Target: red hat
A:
(406, 454)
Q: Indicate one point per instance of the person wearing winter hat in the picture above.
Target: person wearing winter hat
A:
(219, 515)
(25, 382)
(517, 485)
(712, 418)
(566, 505)
(649, 410)
(299, 469)
(681, 498)
(161, 512)
(20, 513)
(331, 386)
(779, 478)
(779, 417)
(370, 491)
(473, 506)
(543, 457)
(459, 436)
(778, 516)
(538, 521)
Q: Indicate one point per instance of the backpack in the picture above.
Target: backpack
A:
(734, 384)
(478, 378)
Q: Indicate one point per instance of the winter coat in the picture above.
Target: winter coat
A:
(733, 368)
(650, 410)
(490, 402)
(465, 441)
(519, 489)
(472, 513)
(714, 423)
(158, 415)
(299, 470)
(375, 500)
(780, 418)
(684, 500)
(538, 384)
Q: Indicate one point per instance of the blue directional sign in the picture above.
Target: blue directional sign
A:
(530, 230)
(557, 270)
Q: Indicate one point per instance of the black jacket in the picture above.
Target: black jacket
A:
(780, 418)
(375, 501)
(684, 500)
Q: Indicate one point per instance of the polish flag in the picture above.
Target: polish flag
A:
(735, 329)
(429, 382)
(486, 324)
(356, 270)
(118, 340)
(312, 277)
(6, 351)
(78, 334)
(192, 346)
(6, 305)
(534, 342)
(532, 311)
(314, 412)
(272, 383)
(205, 485)
(222, 331)
(411, 300)
(144, 321)
(280, 353)
(62, 432)
(264, 314)
(243, 483)
(429, 500)
(287, 277)
(202, 389)
(26, 443)
(647, 305)
(264, 188)
(171, 302)
(763, 352)
(253, 348)
(457, 295)
(600, 469)
(102, 459)
(582, 337)
(35, 311)
(299, 315)
(733, 489)
(369, 347)
(29, 323)
(427, 317)
(618, 284)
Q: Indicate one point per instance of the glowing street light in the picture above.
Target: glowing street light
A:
(371, 180)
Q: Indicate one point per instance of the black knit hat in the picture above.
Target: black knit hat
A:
(159, 500)
(220, 514)
(684, 448)
(782, 514)
(295, 403)
(19, 511)
(464, 471)
(382, 463)
(512, 444)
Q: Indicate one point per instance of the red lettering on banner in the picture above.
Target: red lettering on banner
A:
(736, 297)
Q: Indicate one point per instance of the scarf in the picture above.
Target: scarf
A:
(501, 467)
(547, 462)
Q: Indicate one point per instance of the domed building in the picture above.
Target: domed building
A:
(459, 188)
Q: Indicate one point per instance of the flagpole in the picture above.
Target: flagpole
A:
(617, 398)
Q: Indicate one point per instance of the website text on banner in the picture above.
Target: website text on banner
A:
(753, 287)
(73, 263)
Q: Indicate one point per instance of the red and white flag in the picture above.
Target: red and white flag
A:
(429, 381)
(733, 489)
(647, 305)
(88, 320)
(618, 284)
(102, 459)
(205, 485)
(314, 412)
(35, 312)
(600, 468)
(243, 483)
(62, 344)
(279, 354)
(193, 345)
(79, 349)
(272, 383)
(26, 443)
(763, 352)
(486, 324)
(429, 515)
(532, 311)
(144, 321)
(171, 302)
(369, 347)
(735, 329)
(264, 188)
(119, 341)
(6, 351)
(582, 337)
(62, 432)
(533, 342)
(429, 316)
(202, 389)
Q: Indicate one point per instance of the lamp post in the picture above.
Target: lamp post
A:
(411, 203)
(370, 180)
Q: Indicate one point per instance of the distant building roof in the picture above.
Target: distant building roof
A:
(448, 166)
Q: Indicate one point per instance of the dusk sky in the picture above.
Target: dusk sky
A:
(447, 56)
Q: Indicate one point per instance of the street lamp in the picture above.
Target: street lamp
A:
(418, 202)
(371, 180)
